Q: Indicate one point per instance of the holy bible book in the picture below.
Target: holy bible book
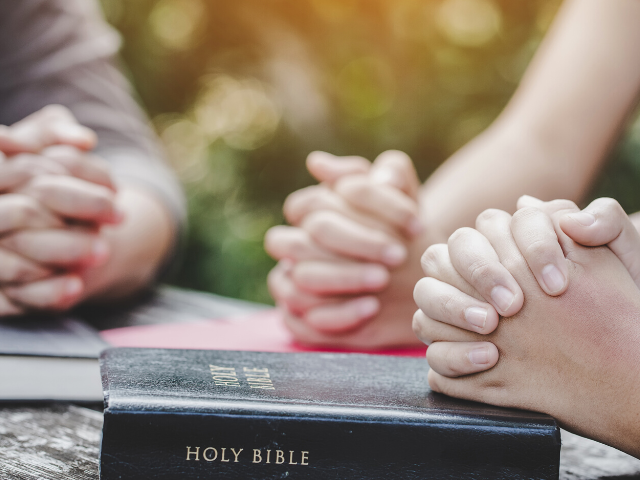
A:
(213, 414)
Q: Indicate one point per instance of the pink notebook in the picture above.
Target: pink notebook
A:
(263, 331)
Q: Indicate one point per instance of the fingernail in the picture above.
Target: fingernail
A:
(583, 218)
(479, 356)
(367, 307)
(386, 176)
(73, 288)
(476, 316)
(376, 277)
(502, 297)
(99, 253)
(553, 278)
(415, 227)
(394, 254)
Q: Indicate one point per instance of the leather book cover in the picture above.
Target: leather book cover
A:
(212, 414)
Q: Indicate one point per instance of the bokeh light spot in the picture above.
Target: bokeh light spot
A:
(178, 24)
(240, 111)
(186, 145)
(469, 23)
(367, 87)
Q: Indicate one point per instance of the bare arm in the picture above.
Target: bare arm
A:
(137, 247)
(555, 132)
(549, 142)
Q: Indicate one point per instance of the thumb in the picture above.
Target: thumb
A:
(329, 168)
(555, 209)
(604, 222)
(395, 168)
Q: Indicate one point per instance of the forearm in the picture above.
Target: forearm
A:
(138, 247)
(553, 136)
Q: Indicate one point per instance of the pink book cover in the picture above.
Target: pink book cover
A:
(261, 332)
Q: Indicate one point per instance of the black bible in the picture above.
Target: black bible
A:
(176, 414)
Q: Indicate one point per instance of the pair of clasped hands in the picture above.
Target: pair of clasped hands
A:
(522, 311)
(55, 197)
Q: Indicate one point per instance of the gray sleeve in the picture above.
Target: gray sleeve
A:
(63, 52)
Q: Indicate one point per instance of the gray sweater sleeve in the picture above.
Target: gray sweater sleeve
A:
(63, 52)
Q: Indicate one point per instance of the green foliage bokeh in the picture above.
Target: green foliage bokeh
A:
(242, 91)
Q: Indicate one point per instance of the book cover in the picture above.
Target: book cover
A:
(49, 358)
(197, 414)
(262, 331)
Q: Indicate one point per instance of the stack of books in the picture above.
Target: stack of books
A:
(221, 414)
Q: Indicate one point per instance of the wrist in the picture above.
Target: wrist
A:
(138, 246)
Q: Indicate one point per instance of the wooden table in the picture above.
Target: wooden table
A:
(61, 442)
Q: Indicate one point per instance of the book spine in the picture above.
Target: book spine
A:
(164, 446)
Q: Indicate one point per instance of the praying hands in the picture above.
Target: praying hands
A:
(55, 198)
(345, 273)
(64, 234)
(520, 313)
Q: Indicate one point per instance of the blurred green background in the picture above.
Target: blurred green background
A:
(242, 91)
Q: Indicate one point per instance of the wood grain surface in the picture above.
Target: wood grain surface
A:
(61, 442)
(49, 443)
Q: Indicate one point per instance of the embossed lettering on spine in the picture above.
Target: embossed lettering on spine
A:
(253, 415)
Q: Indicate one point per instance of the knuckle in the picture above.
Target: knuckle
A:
(488, 215)
(421, 290)
(448, 306)
(557, 208)
(272, 282)
(432, 258)
(318, 224)
(460, 235)
(480, 271)
(296, 203)
(289, 299)
(398, 157)
(24, 211)
(17, 272)
(271, 243)
(278, 287)
(563, 204)
(524, 214)
(297, 248)
(418, 324)
(611, 207)
(515, 263)
(56, 110)
(309, 278)
(540, 249)
(66, 154)
(434, 380)
(455, 364)
(353, 188)
(291, 209)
